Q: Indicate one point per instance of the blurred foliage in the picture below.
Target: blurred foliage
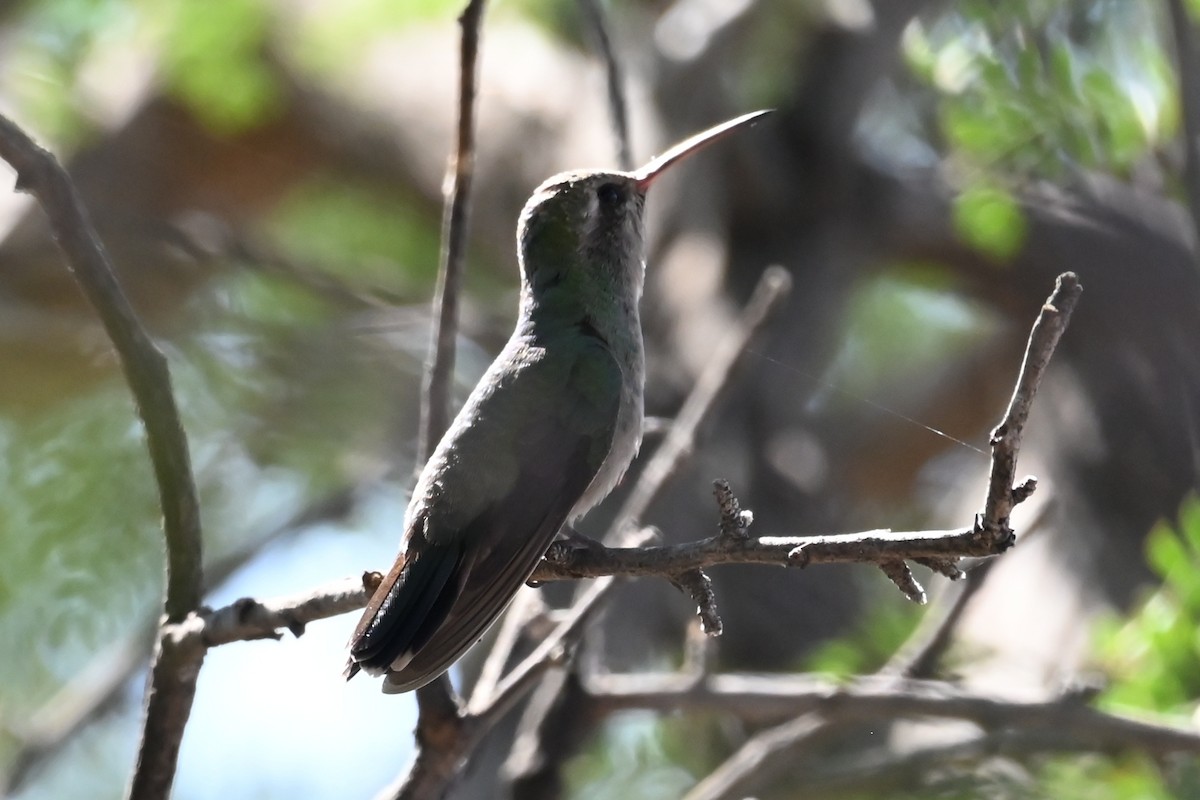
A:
(1041, 90)
(212, 57)
(1152, 660)
(360, 233)
(332, 36)
(1153, 656)
(80, 517)
(1133, 777)
(876, 639)
(1047, 88)
(643, 755)
(901, 321)
(209, 55)
(989, 218)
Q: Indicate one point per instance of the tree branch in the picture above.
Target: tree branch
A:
(810, 702)
(439, 372)
(1187, 70)
(441, 739)
(618, 108)
(249, 619)
(173, 676)
(1006, 438)
(567, 560)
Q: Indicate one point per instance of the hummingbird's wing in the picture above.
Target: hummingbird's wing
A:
(453, 584)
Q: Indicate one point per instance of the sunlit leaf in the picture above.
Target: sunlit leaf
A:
(213, 59)
(990, 220)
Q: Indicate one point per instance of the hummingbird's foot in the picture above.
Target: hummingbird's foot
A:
(570, 546)
(569, 537)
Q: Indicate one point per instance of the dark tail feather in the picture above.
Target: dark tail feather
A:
(407, 607)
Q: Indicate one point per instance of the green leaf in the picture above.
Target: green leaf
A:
(989, 219)
(1117, 115)
(1062, 70)
(212, 59)
(1164, 550)
(1189, 525)
(974, 131)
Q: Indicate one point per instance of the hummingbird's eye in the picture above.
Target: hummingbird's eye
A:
(609, 194)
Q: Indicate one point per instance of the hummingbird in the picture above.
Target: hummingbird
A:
(546, 434)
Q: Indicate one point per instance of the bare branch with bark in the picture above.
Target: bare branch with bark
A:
(172, 685)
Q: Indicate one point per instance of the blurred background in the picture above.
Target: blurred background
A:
(267, 177)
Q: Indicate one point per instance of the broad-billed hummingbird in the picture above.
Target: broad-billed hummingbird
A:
(545, 435)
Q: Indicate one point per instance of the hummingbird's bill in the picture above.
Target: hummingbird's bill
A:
(646, 174)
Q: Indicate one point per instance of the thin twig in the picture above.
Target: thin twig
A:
(1187, 68)
(618, 109)
(1006, 438)
(441, 736)
(173, 677)
(525, 607)
(919, 657)
(435, 406)
(767, 749)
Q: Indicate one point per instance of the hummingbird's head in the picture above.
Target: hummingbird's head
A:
(582, 231)
(581, 227)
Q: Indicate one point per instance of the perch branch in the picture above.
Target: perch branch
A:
(567, 561)
(172, 684)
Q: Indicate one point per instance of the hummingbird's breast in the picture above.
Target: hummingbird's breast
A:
(625, 342)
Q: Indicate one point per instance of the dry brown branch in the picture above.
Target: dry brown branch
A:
(813, 702)
(1187, 67)
(439, 371)
(1006, 438)
(618, 109)
(173, 676)
(440, 737)
(567, 560)
(769, 749)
